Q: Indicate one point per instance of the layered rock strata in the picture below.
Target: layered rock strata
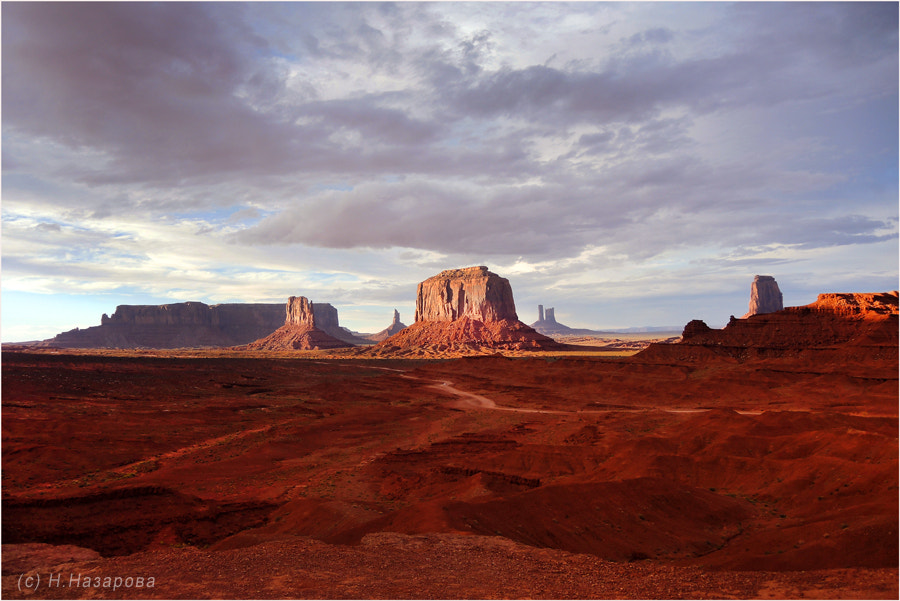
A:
(837, 327)
(300, 330)
(177, 325)
(765, 297)
(472, 292)
(193, 325)
(465, 311)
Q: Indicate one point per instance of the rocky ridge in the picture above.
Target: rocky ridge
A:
(177, 325)
(836, 327)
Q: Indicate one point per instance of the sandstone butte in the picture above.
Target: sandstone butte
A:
(765, 297)
(300, 330)
(836, 327)
(465, 311)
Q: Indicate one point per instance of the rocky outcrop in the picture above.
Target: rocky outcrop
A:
(299, 312)
(300, 330)
(395, 328)
(872, 306)
(177, 325)
(765, 297)
(198, 325)
(839, 327)
(464, 311)
(547, 325)
(472, 292)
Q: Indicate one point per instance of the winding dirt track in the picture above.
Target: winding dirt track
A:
(469, 400)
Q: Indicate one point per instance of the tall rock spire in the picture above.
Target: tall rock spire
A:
(765, 297)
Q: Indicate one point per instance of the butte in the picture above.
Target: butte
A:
(468, 311)
(299, 331)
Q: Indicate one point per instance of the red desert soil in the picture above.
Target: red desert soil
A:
(237, 475)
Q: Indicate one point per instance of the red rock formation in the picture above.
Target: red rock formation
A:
(464, 311)
(178, 325)
(300, 330)
(547, 325)
(854, 304)
(765, 297)
(472, 292)
(395, 328)
(837, 326)
(299, 312)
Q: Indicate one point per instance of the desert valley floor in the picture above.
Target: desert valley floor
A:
(306, 475)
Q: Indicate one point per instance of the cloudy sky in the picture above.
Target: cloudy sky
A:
(631, 164)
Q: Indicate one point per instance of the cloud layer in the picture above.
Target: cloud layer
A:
(150, 146)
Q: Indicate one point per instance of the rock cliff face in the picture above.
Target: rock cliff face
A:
(299, 312)
(472, 292)
(765, 297)
(301, 329)
(837, 327)
(464, 311)
(190, 324)
(195, 324)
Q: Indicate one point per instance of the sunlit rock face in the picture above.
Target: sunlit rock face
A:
(464, 311)
(472, 292)
(301, 329)
(765, 297)
(838, 327)
(299, 312)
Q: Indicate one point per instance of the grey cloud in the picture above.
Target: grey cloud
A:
(623, 93)
(151, 84)
(657, 35)
(437, 217)
(844, 33)
(638, 211)
(377, 124)
(48, 227)
(790, 53)
(175, 93)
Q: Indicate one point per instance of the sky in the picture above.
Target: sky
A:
(630, 164)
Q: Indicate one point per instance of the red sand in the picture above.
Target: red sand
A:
(237, 476)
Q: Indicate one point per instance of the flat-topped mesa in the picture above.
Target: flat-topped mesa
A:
(844, 327)
(176, 325)
(466, 311)
(857, 304)
(472, 292)
(765, 297)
